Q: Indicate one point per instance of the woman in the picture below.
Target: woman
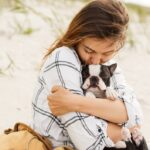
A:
(94, 36)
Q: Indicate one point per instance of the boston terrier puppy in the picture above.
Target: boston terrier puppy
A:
(96, 83)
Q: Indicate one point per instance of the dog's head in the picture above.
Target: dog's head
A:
(97, 76)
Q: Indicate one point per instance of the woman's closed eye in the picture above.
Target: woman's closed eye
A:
(109, 53)
(88, 51)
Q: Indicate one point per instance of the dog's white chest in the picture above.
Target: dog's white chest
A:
(98, 93)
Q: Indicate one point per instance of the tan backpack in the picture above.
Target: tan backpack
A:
(22, 137)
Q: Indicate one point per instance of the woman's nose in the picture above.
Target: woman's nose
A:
(96, 60)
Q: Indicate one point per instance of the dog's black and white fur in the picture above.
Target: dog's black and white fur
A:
(96, 83)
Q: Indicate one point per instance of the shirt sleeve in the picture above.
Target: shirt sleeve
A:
(85, 131)
(127, 94)
(63, 68)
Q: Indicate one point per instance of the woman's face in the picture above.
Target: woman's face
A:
(96, 51)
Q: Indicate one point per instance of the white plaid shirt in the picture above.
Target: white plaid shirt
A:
(82, 131)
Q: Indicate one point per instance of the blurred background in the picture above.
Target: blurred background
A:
(28, 28)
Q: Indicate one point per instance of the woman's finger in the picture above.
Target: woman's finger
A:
(56, 88)
(49, 97)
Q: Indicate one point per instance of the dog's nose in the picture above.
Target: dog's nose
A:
(94, 80)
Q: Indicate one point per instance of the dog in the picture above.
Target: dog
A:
(96, 84)
(96, 81)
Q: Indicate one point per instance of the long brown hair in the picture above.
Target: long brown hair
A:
(104, 19)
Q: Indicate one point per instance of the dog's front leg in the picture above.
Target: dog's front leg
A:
(111, 94)
(126, 136)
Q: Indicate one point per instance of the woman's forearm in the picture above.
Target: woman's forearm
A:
(113, 111)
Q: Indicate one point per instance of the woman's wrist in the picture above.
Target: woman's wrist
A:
(80, 104)
(75, 103)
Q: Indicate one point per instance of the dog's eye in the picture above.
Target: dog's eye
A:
(85, 74)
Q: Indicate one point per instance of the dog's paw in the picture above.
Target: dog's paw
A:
(137, 136)
(90, 94)
(120, 144)
(111, 94)
(125, 134)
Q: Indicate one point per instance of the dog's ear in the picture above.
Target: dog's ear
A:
(105, 72)
(112, 68)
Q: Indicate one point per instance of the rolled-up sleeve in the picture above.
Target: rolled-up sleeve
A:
(127, 94)
(63, 68)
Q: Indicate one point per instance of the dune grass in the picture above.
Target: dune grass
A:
(142, 11)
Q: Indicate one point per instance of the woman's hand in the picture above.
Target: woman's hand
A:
(60, 101)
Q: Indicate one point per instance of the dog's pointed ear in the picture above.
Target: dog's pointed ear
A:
(112, 68)
(105, 73)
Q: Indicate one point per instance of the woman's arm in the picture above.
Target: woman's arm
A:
(125, 109)
(112, 111)
(62, 101)
(72, 102)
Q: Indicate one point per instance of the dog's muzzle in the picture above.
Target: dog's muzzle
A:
(94, 80)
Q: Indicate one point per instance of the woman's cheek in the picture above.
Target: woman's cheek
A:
(84, 57)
